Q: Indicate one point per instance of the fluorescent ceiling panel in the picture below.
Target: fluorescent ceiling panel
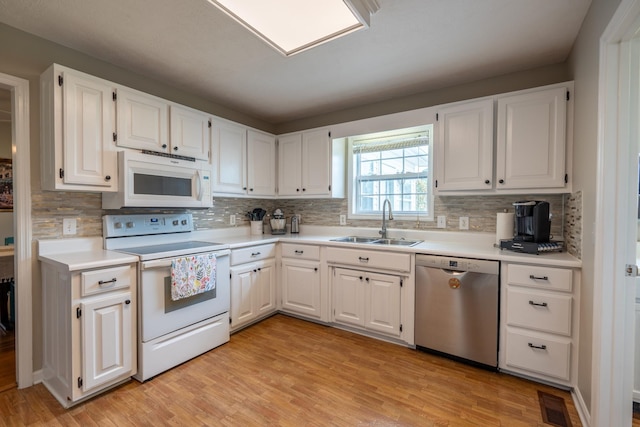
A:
(291, 26)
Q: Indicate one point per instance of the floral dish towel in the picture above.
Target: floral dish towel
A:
(192, 275)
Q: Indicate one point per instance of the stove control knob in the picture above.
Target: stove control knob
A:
(175, 222)
(130, 224)
(117, 225)
(184, 222)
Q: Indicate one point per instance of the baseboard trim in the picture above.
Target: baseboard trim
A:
(37, 376)
(581, 407)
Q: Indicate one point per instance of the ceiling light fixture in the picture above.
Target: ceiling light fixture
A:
(292, 26)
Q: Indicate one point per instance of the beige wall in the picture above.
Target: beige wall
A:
(27, 57)
(583, 63)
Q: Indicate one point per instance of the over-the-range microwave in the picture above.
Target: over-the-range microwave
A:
(156, 181)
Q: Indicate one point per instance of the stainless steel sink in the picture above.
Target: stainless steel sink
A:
(396, 242)
(376, 241)
(355, 239)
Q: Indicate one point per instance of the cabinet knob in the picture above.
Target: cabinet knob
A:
(127, 302)
(297, 189)
(367, 279)
(315, 269)
(244, 188)
(304, 189)
(361, 277)
(501, 181)
(164, 145)
(251, 189)
(175, 148)
(107, 178)
(486, 181)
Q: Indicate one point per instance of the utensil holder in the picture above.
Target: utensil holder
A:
(256, 227)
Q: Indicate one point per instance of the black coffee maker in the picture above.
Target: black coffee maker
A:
(532, 222)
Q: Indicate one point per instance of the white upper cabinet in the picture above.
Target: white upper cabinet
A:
(244, 160)
(77, 131)
(464, 148)
(142, 121)
(261, 164)
(531, 144)
(146, 122)
(229, 154)
(190, 132)
(305, 165)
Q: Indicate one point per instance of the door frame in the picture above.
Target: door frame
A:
(21, 160)
(616, 223)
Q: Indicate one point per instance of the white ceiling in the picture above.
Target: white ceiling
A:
(412, 46)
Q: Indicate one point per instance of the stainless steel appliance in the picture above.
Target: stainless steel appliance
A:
(295, 224)
(170, 332)
(278, 222)
(161, 181)
(457, 308)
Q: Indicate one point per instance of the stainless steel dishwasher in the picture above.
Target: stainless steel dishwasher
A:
(457, 308)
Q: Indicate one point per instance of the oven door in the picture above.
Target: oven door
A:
(160, 315)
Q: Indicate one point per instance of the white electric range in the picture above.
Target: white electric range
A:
(170, 332)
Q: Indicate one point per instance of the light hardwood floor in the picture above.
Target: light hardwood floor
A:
(285, 371)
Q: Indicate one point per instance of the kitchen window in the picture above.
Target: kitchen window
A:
(392, 165)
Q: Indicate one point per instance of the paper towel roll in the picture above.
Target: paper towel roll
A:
(505, 224)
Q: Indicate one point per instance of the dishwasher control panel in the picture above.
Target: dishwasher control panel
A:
(457, 264)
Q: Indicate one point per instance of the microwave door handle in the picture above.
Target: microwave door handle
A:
(199, 185)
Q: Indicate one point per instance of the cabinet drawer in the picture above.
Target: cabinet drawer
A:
(107, 279)
(559, 279)
(543, 311)
(253, 253)
(290, 250)
(370, 259)
(542, 354)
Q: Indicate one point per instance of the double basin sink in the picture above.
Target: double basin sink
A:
(377, 241)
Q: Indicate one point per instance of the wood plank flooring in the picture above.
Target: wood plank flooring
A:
(288, 372)
(7, 360)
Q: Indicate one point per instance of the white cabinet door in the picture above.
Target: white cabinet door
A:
(261, 164)
(464, 147)
(243, 303)
(107, 339)
(383, 303)
(289, 164)
(349, 289)
(87, 132)
(229, 154)
(316, 163)
(190, 132)
(265, 287)
(531, 144)
(301, 287)
(142, 121)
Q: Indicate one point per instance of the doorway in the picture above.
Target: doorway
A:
(7, 283)
(23, 258)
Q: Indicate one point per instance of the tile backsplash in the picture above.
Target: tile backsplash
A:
(50, 207)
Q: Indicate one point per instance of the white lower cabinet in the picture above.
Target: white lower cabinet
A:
(539, 326)
(89, 327)
(301, 281)
(253, 285)
(367, 300)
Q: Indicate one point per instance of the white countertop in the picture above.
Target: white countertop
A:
(86, 253)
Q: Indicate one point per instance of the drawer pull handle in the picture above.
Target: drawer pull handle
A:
(539, 304)
(299, 252)
(539, 347)
(363, 259)
(106, 282)
(255, 253)
(532, 277)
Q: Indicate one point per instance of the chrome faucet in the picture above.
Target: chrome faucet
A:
(383, 232)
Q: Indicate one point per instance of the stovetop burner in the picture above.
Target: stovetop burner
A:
(190, 247)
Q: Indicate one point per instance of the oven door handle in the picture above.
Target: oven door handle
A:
(166, 262)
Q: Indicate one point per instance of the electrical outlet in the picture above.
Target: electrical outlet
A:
(69, 226)
(442, 221)
(343, 220)
(232, 220)
(464, 223)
